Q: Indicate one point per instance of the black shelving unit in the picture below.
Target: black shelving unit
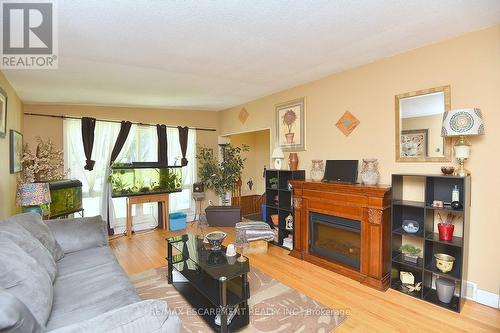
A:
(433, 187)
(279, 199)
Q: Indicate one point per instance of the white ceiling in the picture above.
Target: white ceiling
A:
(216, 54)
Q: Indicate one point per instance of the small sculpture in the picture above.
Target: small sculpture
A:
(289, 222)
(417, 287)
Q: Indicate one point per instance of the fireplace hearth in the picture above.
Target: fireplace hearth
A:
(336, 238)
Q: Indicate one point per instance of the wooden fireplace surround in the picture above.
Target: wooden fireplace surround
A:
(368, 204)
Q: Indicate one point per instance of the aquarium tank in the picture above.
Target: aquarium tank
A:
(144, 178)
(66, 197)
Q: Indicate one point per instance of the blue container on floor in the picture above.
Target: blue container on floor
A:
(177, 221)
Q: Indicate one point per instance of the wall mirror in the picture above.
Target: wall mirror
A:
(419, 115)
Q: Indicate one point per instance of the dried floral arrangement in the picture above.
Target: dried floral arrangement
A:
(45, 164)
(450, 219)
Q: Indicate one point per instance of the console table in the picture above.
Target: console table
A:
(326, 213)
(161, 198)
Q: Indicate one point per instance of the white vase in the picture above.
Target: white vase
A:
(369, 171)
(317, 170)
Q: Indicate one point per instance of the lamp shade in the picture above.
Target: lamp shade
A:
(33, 194)
(278, 153)
(462, 122)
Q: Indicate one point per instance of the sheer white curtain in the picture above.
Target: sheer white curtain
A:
(183, 201)
(93, 182)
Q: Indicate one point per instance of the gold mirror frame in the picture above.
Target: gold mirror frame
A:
(447, 141)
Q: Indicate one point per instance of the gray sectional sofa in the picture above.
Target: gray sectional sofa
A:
(60, 276)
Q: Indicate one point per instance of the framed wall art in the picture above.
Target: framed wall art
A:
(3, 113)
(290, 125)
(414, 143)
(16, 151)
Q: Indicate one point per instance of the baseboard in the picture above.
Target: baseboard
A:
(482, 296)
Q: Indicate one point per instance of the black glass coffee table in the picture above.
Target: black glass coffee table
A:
(212, 283)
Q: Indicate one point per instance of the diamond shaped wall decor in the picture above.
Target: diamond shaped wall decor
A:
(243, 115)
(347, 123)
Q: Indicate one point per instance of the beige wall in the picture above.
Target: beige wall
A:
(14, 121)
(53, 127)
(470, 64)
(256, 159)
(433, 125)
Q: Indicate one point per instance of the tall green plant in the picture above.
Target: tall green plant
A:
(220, 177)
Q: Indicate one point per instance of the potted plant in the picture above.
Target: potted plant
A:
(273, 182)
(221, 176)
(446, 227)
(410, 253)
(289, 119)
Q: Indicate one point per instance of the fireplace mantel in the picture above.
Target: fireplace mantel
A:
(370, 205)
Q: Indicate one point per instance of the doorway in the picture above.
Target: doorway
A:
(250, 195)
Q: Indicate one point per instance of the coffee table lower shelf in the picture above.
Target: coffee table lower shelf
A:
(207, 310)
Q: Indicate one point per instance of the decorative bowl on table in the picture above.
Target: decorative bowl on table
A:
(410, 226)
(447, 170)
(444, 262)
(215, 239)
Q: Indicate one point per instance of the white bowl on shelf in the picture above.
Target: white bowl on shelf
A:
(410, 226)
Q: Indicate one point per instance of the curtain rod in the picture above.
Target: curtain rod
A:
(110, 121)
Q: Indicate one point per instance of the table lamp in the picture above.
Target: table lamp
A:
(462, 123)
(30, 196)
(278, 157)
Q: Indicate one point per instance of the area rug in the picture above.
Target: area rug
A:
(274, 307)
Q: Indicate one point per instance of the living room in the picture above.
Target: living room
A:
(137, 88)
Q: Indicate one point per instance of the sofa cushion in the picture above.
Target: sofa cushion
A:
(15, 317)
(24, 278)
(151, 316)
(33, 223)
(35, 250)
(79, 234)
(88, 283)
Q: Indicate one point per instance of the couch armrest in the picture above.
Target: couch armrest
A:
(150, 316)
(79, 233)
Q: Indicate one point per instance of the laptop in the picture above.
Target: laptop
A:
(343, 171)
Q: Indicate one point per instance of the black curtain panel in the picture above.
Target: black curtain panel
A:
(88, 126)
(183, 141)
(120, 140)
(161, 130)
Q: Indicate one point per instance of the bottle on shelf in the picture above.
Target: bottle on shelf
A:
(455, 198)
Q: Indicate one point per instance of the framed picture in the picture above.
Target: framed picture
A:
(290, 125)
(414, 143)
(3, 113)
(16, 151)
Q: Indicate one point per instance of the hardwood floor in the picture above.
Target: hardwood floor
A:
(369, 310)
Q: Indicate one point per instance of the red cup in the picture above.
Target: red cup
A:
(446, 231)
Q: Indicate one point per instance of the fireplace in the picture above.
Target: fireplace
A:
(336, 238)
(345, 228)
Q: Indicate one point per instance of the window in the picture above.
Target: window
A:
(141, 145)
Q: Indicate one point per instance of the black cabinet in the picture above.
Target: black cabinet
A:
(412, 199)
(279, 199)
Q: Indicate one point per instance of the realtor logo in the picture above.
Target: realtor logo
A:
(28, 35)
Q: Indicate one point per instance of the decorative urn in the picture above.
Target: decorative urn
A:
(369, 171)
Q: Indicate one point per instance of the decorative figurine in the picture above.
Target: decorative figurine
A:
(289, 222)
